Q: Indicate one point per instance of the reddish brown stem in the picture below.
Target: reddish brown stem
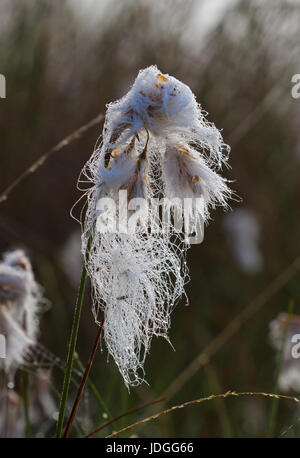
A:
(83, 381)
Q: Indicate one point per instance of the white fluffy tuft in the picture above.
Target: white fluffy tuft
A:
(156, 143)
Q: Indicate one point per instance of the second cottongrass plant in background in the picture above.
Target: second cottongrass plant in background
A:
(21, 300)
(21, 303)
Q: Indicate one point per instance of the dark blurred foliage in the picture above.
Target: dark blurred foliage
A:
(62, 65)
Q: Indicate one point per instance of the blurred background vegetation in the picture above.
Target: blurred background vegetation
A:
(63, 62)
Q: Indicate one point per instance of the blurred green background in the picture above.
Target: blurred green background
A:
(63, 62)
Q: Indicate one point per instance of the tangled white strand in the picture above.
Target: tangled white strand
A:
(156, 143)
(20, 303)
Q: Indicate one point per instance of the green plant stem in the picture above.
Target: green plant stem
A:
(71, 351)
(274, 405)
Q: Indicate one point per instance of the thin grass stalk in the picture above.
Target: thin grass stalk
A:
(93, 388)
(42, 159)
(83, 381)
(200, 401)
(235, 324)
(129, 412)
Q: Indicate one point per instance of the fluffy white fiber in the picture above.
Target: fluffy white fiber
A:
(136, 281)
(156, 143)
(163, 105)
(20, 299)
(186, 174)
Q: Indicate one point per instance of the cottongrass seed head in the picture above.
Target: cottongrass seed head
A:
(156, 143)
(20, 304)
